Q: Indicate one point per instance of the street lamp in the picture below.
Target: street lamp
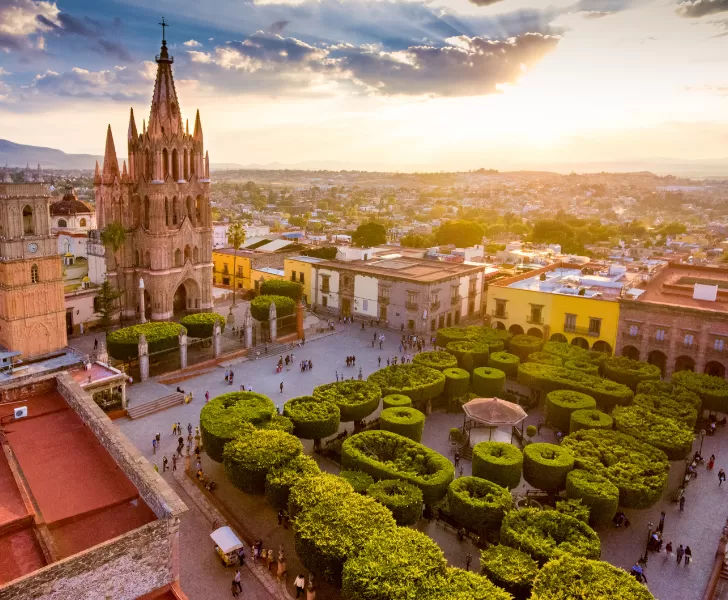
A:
(650, 528)
(702, 437)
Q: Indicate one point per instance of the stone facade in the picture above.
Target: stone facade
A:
(32, 309)
(163, 202)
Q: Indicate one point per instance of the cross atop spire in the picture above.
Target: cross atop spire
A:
(163, 24)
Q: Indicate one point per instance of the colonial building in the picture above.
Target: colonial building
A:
(163, 202)
(32, 312)
(72, 219)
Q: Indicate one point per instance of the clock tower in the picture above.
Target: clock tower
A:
(32, 309)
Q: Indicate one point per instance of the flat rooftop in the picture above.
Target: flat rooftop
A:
(568, 280)
(674, 285)
(420, 271)
(97, 373)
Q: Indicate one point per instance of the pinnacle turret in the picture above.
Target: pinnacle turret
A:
(132, 126)
(111, 164)
(197, 135)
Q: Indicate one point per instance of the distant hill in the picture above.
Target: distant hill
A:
(18, 155)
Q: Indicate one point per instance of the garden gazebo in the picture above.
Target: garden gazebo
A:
(491, 413)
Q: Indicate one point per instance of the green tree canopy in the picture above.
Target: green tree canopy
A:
(460, 233)
(369, 234)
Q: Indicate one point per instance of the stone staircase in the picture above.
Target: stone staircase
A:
(721, 590)
(147, 408)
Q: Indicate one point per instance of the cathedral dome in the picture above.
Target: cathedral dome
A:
(69, 205)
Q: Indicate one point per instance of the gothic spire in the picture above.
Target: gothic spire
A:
(111, 164)
(97, 173)
(197, 134)
(124, 174)
(164, 118)
(132, 126)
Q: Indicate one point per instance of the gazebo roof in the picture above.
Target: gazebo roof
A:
(494, 411)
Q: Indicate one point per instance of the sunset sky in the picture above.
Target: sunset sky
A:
(408, 84)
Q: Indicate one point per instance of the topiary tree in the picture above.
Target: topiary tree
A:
(713, 391)
(637, 469)
(574, 578)
(458, 584)
(523, 345)
(331, 532)
(249, 457)
(359, 480)
(671, 436)
(282, 287)
(408, 422)
(629, 372)
(573, 507)
(123, 344)
(457, 382)
(280, 479)
(260, 307)
(356, 399)
(313, 419)
(223, 418)
(565, 351)
(436, 359)
(582, 365)
(683, 405)
(545, 359)
(402, 498)
(420, 383)
(476, 352)
(488, 382)
(510, 569)
(596, 492)
(508, 363)
(561, 403)
(589, 419)
(278, 422)
(478, 504)
(396, 400)
(315, 489)
(202, 325)
(547, 534)
(498, 462)
(545, 466)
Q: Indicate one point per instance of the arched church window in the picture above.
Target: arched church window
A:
(187, 253)
(191, 209)
(148, 165)
(198, 210)
(175, 211)
(175, 165)
(178, 258)
(146, 213)
(82, 223)
(136, 210)
(34, 277)
(62, 223)
(166, 212)
(196, 255)
(28, 228)
(165, 164)
(185, 164)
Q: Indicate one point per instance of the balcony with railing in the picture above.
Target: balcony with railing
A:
(435, 305)
(581, 330)
(411, 305)
(534, 319)
(455, 299)
(721, 353)
(632, 337)
(499, 314)
(383, 300)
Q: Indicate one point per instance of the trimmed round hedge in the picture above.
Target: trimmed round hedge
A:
(222, 418)
(478, 504)
(331, 532)
(359, 480)
(436, 359)
(573, 507)
(504, 361)
(713, 391)
(523, 345)
(671, 436)
(499, 462)
(202, 325)
(280, 479)
(123, 344)
(419, 383)
(596, 492)
(457, 382)
(565, 351)
(589, 419)
(458, 584)
(278, 422)
(679, 406)
(548, 534)
(386, 455)
(544, 358)
(488, 382)
(356, 399)
(311, 491)
(396, 400)
(561, 403)
(313, 419)
(249, 457)
(402, 498)
(408, 422)
(545, 466)
(574, 578)
(260, 307)
(476, 350)
(582, 365)
(629, 372)
(636, 468)
(509, 568)
(282, 287)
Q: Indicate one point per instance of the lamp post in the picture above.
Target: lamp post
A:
(650, 528)
(702, 437)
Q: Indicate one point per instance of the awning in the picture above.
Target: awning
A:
(225, 539)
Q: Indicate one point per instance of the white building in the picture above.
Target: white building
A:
(72, 219)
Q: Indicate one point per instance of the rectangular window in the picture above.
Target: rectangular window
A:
(569, 322)
(633, 330)
(325, 301)
(500, 309)
(384, 292)
(660, 335)
(293, 276)
(688, 341)
(301, 278)
(325, 284)
(718, 345)
(433, 325)
(240, 271)
(536, 315)
(225, 269)
(365, 305)
(595, 326)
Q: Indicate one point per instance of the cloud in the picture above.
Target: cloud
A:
(278, 26)
(19, 23)
(67, 24)
(699, 8)
(484, 2)
(192, 44)
(119, 83)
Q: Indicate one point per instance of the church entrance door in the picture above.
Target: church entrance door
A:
(180, 300)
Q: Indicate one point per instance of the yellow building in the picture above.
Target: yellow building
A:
(559, 303)
(230, 270)
(261, 274)
(304, 270)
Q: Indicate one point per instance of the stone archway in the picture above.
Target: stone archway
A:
(581, 342)
(535, 332)
(684, 363)
(602, 346)
(186, 298)
(559, 337)
(499, 325)
(631, 352)
(715, 368)
(658, 358)
(515, 329)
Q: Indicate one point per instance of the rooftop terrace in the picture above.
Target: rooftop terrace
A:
(569, 281)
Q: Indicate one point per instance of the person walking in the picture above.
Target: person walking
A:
(236, 580)
(668, 550)
(154, 445)
(661, 526)
(379, 361)
(234, 589)
(721, 477)
(164, 464)
(280, 517)
(468, 560)
(158, 437)
(281, 386)
(680, 552)
(688, 555)
(300, 583)
(207, 396)
(682, 503)
(457, 459)
(189, 428)
(174, 462)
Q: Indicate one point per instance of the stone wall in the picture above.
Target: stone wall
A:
(25, 387)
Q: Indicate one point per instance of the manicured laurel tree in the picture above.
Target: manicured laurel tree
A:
(396, 400)
(419, 383)
(222, 418)
(510, 569)
(573, 507)
(386, 455)
(310, 491)
(636, 468)
(679, 406)
(476, 350)
(597, 357)
(359, 480)
(488, 382)
(395, 564)
(671, 436)
(123, 344)
(629, 372)
(249, 457)
(279, 422)
(278, 287)
(457, 382)
(436, 359)
(402, 498)
(202, 325)
(334, 530)
(458, 584)
(582, 365)
(445, 335)
(499, 462)
(281, 479)
(713, 391)
(523, 345)
(589, 419)
(504, 361)
(545, 466)
(495, 339)
(561, 403)
(356, 399)
(548, 534)
(545, 359)
(408, 422)
(478, 504)
(531, 430)
(544, 378)
(260, 307)
(565, 351)
(575, 578)
(596, 492)
(312, 418)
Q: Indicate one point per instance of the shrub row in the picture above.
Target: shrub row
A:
(523, 345)
(436, 359)
(499, 462)
(589, 419)
(202, 325)
(629, 372)
(504, 361)
(713, 391)
(582, 365)
(671, 436)
(356, 399)
(123, 344)
(279, 287)
(560, 404)
(407, 422)
(313, 419)
(596, 492)
(419, 383)
(545, 466)
(478, 504)
(488, 382)
(396, 400)
(509, 568)
(402, 498)
(280, 479)
(260, 307)
(476, 351)
(359, 480)
(545, 359)
(457, 382)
